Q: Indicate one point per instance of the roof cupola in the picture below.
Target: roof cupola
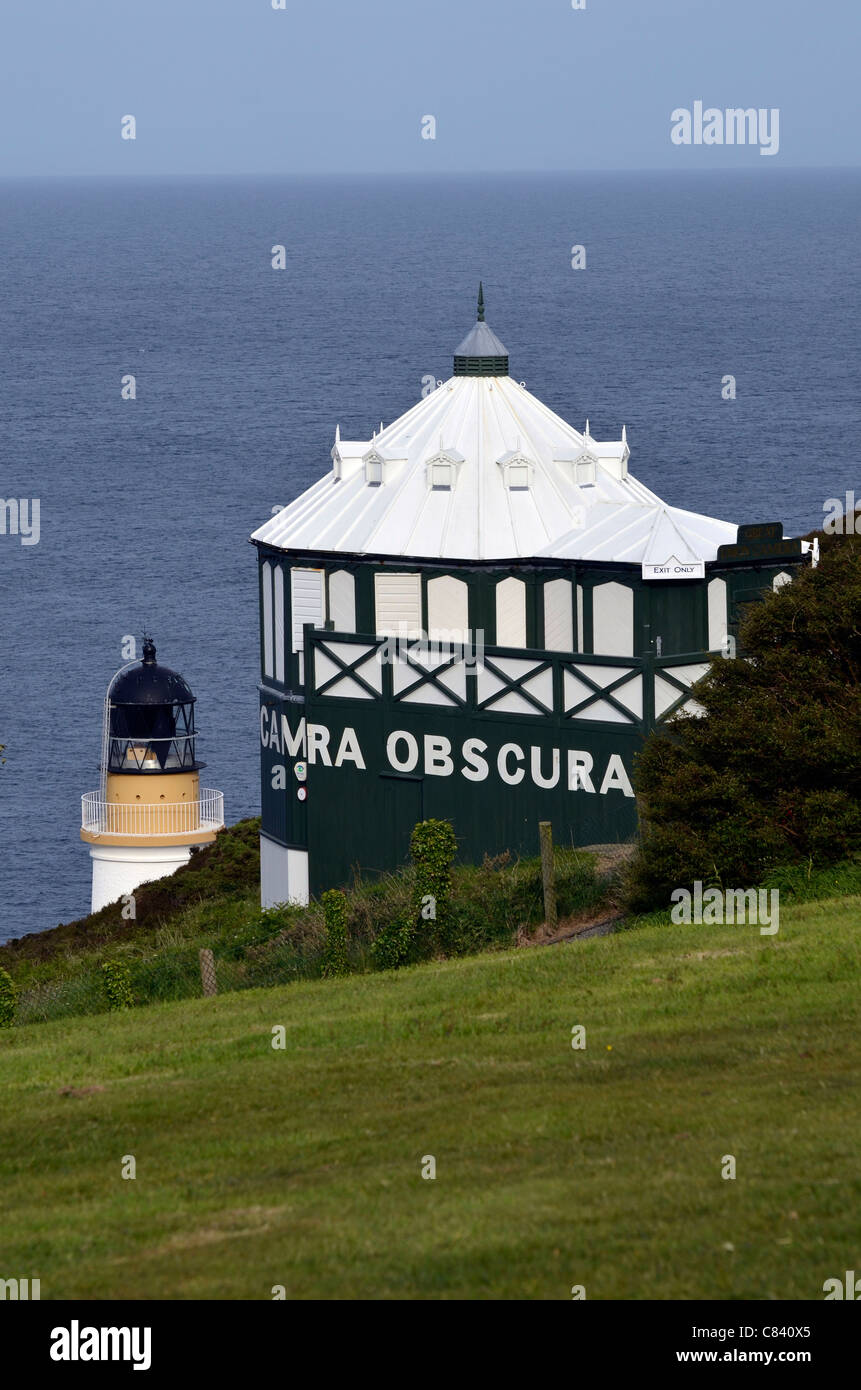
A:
(481, 353)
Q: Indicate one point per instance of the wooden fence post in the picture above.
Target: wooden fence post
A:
(207, 972)
(545, 833)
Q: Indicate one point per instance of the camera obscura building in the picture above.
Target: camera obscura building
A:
(478, 614)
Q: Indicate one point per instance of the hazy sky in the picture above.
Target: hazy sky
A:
(234, 86)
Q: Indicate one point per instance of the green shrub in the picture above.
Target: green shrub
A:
(433, 846)
(335, 957)
(394, 944)
(117, 984)
(8, 999)
(771, 773)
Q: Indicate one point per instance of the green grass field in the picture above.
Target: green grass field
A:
(214, 903)
(555, 1167)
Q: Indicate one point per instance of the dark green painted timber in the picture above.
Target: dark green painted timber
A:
(361, 817)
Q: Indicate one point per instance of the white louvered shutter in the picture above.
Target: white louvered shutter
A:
(306, 596)
(398, 604)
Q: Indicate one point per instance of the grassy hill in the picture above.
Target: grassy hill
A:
(602, 1167)
(213, 902)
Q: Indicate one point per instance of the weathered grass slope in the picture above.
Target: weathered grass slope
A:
(555, 1167)
(224, 871)
(214, 903)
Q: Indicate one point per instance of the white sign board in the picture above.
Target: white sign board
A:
(676, 569)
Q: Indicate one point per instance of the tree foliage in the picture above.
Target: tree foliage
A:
(771, 773)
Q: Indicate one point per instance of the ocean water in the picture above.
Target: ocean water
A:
(243, 371)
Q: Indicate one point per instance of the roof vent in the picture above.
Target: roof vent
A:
(481, 353)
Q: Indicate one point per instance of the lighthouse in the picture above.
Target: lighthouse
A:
(150, 810)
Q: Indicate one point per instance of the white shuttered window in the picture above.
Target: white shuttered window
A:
(398, 599)
(307, 606)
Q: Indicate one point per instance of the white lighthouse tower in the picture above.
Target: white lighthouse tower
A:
(149, 810)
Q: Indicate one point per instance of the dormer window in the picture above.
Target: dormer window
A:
(517, 470)
(442, 470)
(582, 463)
(585, 468)
(374, 470)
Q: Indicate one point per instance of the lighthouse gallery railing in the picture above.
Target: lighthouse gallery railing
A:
(102, 817)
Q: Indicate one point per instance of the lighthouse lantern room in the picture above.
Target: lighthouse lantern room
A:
(149, 810)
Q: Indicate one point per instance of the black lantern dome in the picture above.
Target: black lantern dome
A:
(151, 719)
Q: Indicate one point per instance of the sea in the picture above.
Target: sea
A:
(714, 314)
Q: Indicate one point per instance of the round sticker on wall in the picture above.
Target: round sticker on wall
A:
(302, 793)
(300, 771)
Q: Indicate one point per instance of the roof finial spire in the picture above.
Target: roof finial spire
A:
(480, 302)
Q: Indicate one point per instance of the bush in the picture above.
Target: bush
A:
(117, 984)
(335, 958)
(433, 846)
(8, 999)
(771, 773)
(394, 944)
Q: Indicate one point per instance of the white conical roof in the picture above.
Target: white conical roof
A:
(489, 429)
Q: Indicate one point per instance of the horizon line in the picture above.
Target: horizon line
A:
(426, 173)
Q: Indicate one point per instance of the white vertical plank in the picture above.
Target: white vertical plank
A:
(279, 623)
(511, 613)
(613, 620)
(267, 618)
(448, 609)
(342, 601)
(558, 616)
